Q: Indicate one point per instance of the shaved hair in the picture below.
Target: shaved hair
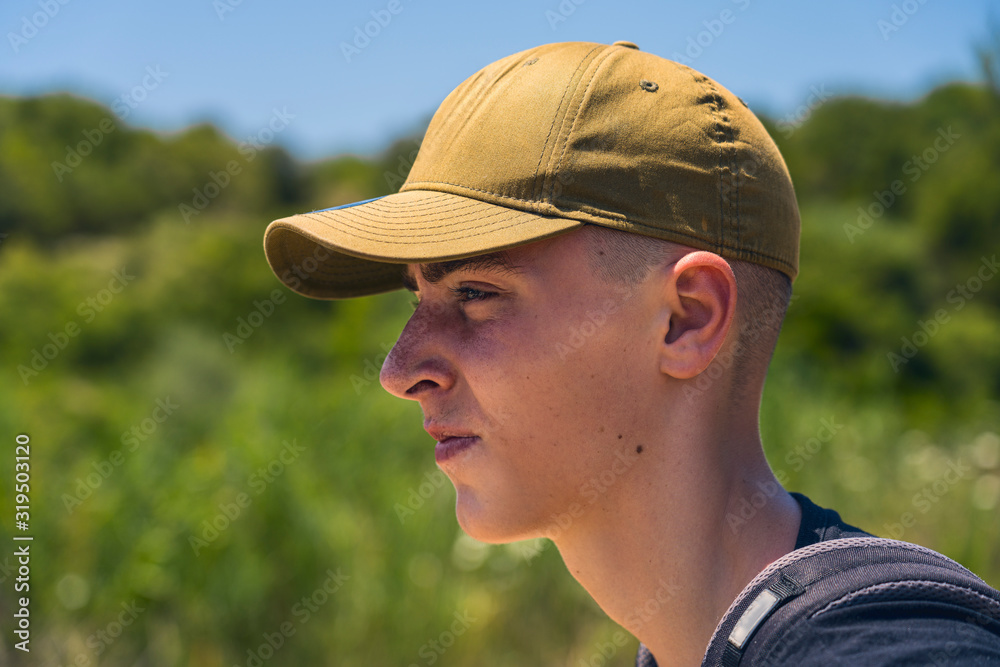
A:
(763, 295)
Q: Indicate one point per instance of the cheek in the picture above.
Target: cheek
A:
(556, 410)
(561, 375)
(506, 367)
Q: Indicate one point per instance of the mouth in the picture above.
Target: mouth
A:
(452, 447)
(450, 441)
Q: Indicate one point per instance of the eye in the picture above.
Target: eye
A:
(467, 294)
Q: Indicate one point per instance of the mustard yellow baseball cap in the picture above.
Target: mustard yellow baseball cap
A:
(543, 142)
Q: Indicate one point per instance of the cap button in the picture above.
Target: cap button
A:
(627, 45)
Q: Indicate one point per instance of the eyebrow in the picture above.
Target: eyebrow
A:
(434, 272)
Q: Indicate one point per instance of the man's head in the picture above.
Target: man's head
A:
(602, 243)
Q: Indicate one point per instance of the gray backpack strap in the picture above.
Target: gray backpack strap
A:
(837, 573)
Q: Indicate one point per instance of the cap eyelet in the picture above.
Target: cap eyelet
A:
(649, 86)
(530, 62)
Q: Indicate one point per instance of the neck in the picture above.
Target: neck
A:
(667, 555)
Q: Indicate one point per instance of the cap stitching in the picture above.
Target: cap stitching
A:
(485, 192)
(423, 230)
(441, 204)
(324, 215)
(541, 185)
(598, 62)
(540, 191)
(402, 204)
(438, 202)
(495, 226)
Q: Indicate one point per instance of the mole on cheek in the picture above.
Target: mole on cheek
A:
(638, 450)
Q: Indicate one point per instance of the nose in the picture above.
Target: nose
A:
(417, 366)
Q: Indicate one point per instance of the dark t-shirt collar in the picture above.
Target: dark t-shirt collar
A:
(819, 524)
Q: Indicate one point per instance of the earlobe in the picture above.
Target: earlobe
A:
(700, 292)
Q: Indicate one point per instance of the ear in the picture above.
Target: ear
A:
(700, 293)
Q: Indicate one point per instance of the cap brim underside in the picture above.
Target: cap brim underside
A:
(359, 250)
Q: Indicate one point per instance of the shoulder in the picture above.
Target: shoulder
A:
(867, 601)
(887, 632)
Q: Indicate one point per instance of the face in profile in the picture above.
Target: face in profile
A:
(534, 377)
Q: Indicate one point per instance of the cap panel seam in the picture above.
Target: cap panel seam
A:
(539, 187)
(596, 64)
(547, 176)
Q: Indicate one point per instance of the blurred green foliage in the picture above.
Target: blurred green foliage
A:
(197, 520)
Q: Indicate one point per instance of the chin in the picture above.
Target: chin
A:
(488, 522)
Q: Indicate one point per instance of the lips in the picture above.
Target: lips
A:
(452, 447)
(451, 441)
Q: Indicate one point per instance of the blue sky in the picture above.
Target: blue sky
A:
(232, 62)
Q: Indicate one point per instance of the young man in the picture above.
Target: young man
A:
(602, 244)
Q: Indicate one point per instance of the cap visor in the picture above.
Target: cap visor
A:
(358, 249)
